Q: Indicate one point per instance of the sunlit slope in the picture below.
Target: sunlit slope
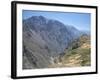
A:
(78, 54)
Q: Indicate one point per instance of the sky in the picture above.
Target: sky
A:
(81, 21)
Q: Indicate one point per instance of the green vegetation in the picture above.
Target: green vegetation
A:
(77, 54)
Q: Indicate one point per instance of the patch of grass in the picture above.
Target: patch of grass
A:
(85, 56)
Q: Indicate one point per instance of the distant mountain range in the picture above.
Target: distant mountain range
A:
(44, 39)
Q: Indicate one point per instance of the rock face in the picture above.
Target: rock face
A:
(44, 39)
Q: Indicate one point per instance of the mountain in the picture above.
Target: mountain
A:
(44, 39)
(85, 32)
(76, 55)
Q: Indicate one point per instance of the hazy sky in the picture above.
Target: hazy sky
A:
(81, 21)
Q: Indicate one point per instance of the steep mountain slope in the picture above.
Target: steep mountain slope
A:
(78, 54)
(44, 39)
